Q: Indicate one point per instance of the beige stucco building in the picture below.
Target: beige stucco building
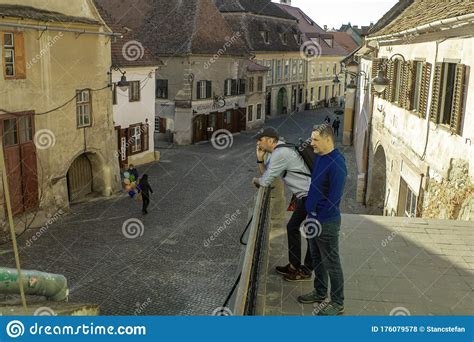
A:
(414, 141)
(55, 103)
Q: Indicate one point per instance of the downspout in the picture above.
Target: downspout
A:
(61, 29)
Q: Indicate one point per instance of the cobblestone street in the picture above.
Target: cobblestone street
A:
(168, 269)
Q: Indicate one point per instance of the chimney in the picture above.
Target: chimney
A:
(285, 2)
(325, 27)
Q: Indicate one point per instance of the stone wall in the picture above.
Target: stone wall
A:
(450, 198)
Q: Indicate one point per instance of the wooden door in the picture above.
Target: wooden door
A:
(13, 166)
(79, 178)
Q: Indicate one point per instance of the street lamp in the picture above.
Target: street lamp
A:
(123, 84)
(381, 82)
(352, 84)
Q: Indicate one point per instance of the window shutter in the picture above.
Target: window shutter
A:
(20, 58)
(458, 99)
(425, 88)
(144, 130)
(387, 94)
(390, 91)
(208, 89)
(375, 70)
(225, 87)
(198, 89)
(405, 84)
(435, 100)
(233, 90)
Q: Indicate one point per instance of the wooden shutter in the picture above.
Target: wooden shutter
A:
(458, 99)
(375, 69)
(387, 95)
(20, 58)
(145, 144)
(424, 90)
(198, 89)
(208, 89)
(435, 96)
(225, 87)
(405, 84)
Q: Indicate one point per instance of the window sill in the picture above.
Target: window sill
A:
(84, 126)
(134, 100)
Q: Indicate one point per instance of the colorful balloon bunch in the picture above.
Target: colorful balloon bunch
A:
(130, 184)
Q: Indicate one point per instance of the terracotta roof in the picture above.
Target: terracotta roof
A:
(176, 28)
(251, 25)
(255, 67)
(263, 7)
(421, 12)
(312, 31)
(392, 14)
(346, 41)
(28, 12)
(120, 56)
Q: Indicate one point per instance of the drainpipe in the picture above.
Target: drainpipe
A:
(61, 29)
(463, 19)
(52, 286)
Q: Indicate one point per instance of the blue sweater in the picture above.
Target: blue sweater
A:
(327, 187)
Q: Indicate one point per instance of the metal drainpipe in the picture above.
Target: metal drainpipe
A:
(61, 29)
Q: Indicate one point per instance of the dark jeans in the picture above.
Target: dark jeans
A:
(327, 263)
(146, 202)
(294, 237)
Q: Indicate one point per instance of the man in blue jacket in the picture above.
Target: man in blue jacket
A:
(322, 205)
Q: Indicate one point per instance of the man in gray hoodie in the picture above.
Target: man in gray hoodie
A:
(286, 162)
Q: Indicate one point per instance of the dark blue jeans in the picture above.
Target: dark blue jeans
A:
(326, 261)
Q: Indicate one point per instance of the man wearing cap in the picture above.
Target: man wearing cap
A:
(287, 163)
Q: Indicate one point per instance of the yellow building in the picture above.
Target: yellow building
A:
(55, 103)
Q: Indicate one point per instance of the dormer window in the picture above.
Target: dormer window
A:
(328, 41)
(284, 38)
(266, 37)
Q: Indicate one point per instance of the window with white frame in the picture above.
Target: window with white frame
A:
(134, 91)
(83, 108)
(287, 69)
(417, 86)
(250, 113)
(135, 138)
(9, 51)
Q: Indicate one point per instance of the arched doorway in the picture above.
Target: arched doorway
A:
(376, 198)
(79, 178)
(282, 101)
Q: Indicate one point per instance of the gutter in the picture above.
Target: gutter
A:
(463, 20)
(61, 29)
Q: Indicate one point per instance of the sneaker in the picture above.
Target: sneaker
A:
(298, 275)
(332, 309)
(311, 298)
(285, 270)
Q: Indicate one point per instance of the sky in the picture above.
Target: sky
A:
(334, 13)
